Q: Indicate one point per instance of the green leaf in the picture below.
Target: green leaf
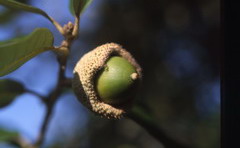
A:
(8, 14)
(20, 6)
(6, 136)
(78, 6)
(16, 52)
(9, 90)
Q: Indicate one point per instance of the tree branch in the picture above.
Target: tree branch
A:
(51, 101)
(45, 124)
(67, 83)
(70, 33)
(36, 94)
(58, 26)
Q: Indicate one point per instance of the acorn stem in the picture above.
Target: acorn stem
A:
(150, 125)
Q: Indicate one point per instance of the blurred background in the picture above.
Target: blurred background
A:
(177, 43)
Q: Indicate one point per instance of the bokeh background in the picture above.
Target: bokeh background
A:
(177, 43)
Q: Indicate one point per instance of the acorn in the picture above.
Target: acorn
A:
(106, 80)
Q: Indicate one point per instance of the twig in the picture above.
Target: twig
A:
(70, 33)
(76, 27)
(57, 25)
(35, 93)
(155, 131)
(45, 124)
(61, 51)
(41, 97)
(67, 83)
(50, 102)
(62, 82)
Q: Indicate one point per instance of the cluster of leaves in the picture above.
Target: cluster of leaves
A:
(17, 51)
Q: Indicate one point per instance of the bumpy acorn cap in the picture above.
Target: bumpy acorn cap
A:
(86, 70)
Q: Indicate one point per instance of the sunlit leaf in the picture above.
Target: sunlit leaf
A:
(9, 89)
(20, 6)
(16, 52)
(78, 6)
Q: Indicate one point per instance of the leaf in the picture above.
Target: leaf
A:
(8, 14)
(78, 6)
(12, 40)
(16, 52)
(6, 136)
(20, 6)
(9, 90)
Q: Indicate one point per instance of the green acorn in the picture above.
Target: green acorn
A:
(116, 80)
(106, 80)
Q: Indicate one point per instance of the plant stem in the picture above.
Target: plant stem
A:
(70, 33)
(45, 124)
(151, 127)
(76, 27)
(36, 94)
(57, 25)
(51, 101)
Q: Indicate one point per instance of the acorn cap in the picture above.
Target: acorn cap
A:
(84, 79)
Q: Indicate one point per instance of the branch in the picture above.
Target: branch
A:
(58, 26)
(36, 94)
(151, 127)
(51, 101)
(50, 105)
(70, 32)
(45, 124)
(76, 27)
(67, 83)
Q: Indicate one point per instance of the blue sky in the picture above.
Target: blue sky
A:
(39, 74)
